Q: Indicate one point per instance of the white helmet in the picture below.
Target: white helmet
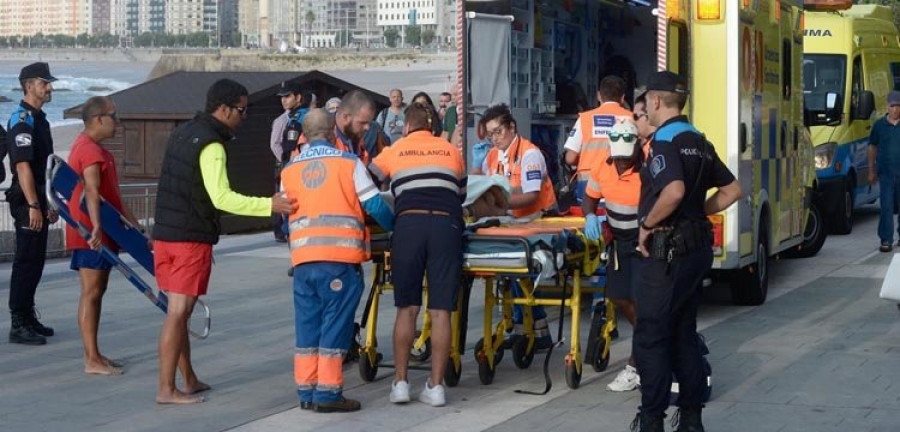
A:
(623, 137)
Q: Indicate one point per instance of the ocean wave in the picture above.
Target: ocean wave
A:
(92, 86)
(67, 122)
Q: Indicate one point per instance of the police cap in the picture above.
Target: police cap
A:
(36, 70)
(667, 81)
(288, 88)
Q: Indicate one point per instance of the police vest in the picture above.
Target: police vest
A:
(292, 132)
(184, 210)
(329, 224)
(546, 199)
(20, 115)
(595, 126)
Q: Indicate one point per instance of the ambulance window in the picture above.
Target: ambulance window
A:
(856, 85)
(786, 76)
(895, 71)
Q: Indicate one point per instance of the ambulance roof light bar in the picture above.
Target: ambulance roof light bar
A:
(827, 5)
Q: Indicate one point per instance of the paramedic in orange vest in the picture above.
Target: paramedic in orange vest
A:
(617, 180)
(329, 241)
(428, 180)
(532, 192)
(588, 142)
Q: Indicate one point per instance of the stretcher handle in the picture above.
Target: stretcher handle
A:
(472, 238)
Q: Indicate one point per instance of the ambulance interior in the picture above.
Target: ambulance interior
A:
(558, 52)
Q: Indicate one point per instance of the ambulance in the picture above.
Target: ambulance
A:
(851, 62)
(742, 60)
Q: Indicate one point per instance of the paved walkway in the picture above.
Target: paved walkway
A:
(820, 355)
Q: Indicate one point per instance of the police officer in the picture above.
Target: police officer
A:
(674, 240)
(286, 130)
(29, 143)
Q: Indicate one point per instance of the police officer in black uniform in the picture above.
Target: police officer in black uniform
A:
(675, 239)
(29, 143)
(296, 103)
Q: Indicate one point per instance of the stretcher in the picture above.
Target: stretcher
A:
(369, 357)
(61, 180)
(545, 256)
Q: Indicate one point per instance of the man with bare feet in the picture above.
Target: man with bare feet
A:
(97, 167)
(193, 188)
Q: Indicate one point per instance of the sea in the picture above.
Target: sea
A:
(77, 81)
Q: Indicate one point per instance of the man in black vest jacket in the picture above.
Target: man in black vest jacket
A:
(193, 189)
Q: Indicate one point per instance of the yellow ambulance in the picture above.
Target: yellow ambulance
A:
(742, 59)
(851, 62)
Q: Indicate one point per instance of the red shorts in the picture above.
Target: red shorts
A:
(182, 267)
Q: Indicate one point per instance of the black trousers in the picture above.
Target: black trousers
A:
(665, 338)
(28, 265)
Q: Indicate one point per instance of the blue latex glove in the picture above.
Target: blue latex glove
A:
(592, 227)
(479, 152)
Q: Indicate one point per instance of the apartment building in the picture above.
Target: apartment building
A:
(26, 18)
(435, 15)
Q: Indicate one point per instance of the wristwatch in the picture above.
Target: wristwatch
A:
(35, 205)
(644, 225)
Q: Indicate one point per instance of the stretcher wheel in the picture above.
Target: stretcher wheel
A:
(522, 356)
(453, 373)
(573, 377)
(598, 361)
(485, 370)
(423, 353)
(367, 370)
(498, 356)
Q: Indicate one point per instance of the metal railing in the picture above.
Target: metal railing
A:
(140, 198)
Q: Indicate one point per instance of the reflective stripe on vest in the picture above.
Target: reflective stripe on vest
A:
(328, 221)
(621, 209)
(331, 241)
(615, 223)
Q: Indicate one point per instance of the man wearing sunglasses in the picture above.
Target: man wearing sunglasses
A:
(616, 180)
(588, 142)
(193, 190)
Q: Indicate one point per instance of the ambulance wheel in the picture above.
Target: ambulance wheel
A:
(750, 285)
(814, 234)
(599, 361)
(842, 220)
(522, 356)
(573, 377)
(453, 373)
(423, 353)
(485, 370)
(707, 374)
(367, 370)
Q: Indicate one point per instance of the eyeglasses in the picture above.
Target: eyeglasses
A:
(638, 116)
(496, 132)
(111, 115)
(629, 138)
(242, 110)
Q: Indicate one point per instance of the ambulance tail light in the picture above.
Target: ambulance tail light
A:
(709, 10)
(718, 229)
(827, 5)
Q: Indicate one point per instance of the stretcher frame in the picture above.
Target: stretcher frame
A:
(568, 279)
(369, 357)
(60, 182)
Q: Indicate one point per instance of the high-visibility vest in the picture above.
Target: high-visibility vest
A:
(546, 199)
(348, 147)
(329, 224)
(595, 125)
(622, 194)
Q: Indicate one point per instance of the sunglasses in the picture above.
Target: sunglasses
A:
(638, 116)
(496, 132)
(629, 138)
(242, 110)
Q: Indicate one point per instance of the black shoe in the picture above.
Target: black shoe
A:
(687, 420)
(21, 333)
(306, 405)
(281, 239)
(340, 405)
(32, 321)
(647, 423)
(885, 247)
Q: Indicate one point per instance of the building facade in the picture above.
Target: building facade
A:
(438, 16)
(100, 17)
(28, 18)
(323, 21)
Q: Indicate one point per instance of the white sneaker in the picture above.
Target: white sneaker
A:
(627, 380)
(433, 396)
(399, 392)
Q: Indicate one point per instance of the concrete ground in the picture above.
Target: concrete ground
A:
(820, 355)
